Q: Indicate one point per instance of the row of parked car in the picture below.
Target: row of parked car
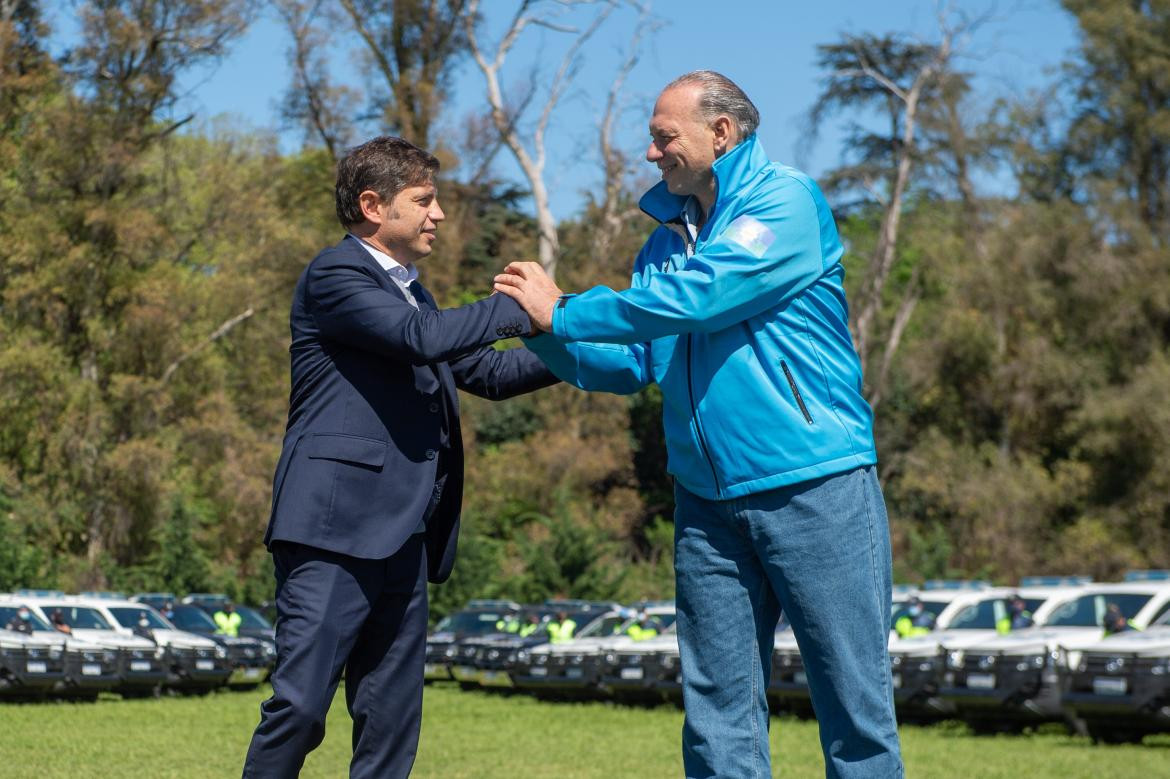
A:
(966, 660)
(77, 646)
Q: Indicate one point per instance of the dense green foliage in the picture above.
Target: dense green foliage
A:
(481, 735)
(1016, 343)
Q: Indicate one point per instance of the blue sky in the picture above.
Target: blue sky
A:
(767, 46)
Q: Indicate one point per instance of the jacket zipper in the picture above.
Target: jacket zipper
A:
(695, 416)
(796, 392)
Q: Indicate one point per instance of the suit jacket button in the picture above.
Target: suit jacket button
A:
(431, 454)
(434, 408)
(499, 331)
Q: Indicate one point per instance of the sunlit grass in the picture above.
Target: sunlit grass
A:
(482, 735)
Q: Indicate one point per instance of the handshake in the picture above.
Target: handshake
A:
(529, 285)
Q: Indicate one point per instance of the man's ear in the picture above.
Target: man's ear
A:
(725, 135)
(371, 203)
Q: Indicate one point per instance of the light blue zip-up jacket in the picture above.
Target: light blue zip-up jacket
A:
(746, 332)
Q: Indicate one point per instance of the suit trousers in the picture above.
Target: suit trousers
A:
(368, 617)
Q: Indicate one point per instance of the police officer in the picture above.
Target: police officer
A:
(1018, 616)
(22, 622)
(509, 623)
(1115, 621)
(644, 628)
(227, 621)
(917, 621)
(561, 629)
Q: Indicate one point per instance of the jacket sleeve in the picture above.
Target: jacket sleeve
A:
(596, 367)
(494, 374)
(769, 253)
(349, 306)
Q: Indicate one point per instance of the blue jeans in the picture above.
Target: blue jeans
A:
(820, 550)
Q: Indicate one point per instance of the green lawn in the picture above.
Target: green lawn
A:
(481, 735)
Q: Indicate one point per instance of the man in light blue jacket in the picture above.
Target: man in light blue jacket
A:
(736, 310)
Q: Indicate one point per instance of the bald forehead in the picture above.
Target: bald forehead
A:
(676, 105)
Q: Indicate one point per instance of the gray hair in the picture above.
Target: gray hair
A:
(719, 96)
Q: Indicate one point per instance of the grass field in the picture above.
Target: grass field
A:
(482, 735)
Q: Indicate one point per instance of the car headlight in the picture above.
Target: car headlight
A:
(522, 656)
(220, 652)
(159, 651)
(1025, 665)
(541, 659)
(109, 657)
(449, 652)
(668, 661)
(55, 652)
(1115, 664)
(896, 661)
(610, 658)
(955, 658)
(1160, 670)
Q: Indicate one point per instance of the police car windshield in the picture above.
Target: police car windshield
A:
(9, 613)
(471, 622)
(194, 619)
(80, 617)
(252, 619)
(129, 617)
(1088, 611)
(902, 609)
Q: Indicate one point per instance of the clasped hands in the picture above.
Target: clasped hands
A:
(529, 285)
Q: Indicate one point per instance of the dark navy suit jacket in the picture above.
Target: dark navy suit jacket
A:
(373, 391)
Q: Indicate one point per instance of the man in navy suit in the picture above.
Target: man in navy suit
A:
(366, 497)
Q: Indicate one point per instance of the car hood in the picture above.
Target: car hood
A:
(1154, 642)
(181, 639)
(667, 643)
(12, 638)
(1030, 641)
(931, 644)
(112, 638)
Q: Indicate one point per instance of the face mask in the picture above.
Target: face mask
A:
(23, 614)
(915, 611)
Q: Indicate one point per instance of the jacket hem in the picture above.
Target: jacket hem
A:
(782, 479)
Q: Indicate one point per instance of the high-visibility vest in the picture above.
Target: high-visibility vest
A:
(527, 630)
(227, 624)
(906, 628)
(559, 632)
(510, 625)
(639, 633)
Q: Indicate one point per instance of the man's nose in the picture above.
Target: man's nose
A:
(436, 214)
(653, 154)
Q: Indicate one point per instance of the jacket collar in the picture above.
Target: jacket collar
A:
(732, 172)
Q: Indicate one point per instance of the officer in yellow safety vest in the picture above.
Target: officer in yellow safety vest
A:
(917, 621)
(1115, 621)
(531, 623)
(508, 624)
(227, 621)
(1018, 616)
(644, 628)
(561, 629)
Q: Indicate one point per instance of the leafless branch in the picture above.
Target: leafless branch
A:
(219, 333)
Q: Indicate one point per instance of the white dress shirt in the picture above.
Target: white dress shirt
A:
(401, 274)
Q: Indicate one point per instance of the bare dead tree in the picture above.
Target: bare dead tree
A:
(412, 46)
(531, 156)
(615, 164)
(913, 83)
(311, 100)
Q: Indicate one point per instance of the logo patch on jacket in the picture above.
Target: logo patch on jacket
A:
(751, 234)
